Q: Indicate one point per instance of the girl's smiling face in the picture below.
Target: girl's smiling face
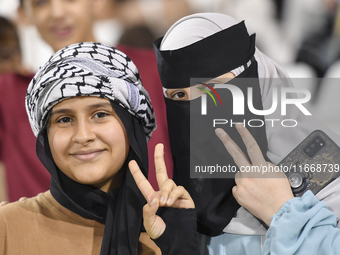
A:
(88, 141)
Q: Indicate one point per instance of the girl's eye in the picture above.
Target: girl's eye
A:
(100, 115)
(64, 120)
(180, 95)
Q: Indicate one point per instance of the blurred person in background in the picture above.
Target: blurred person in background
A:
(279, 38)
(61, 23)
(312, 30)
(16, 144)
(10, 59)
(10, 52)
(309, 29)
(159, 15)
(137, 22)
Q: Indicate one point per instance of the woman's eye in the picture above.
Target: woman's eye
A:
(179, 95)
(64, 120)
(100, 115)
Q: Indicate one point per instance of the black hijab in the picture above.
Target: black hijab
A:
(121, 209)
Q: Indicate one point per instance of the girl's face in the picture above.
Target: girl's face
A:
(189, 93)
(88, 141)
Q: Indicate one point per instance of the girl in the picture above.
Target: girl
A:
(91, 116)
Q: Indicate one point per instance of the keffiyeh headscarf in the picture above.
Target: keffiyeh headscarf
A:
(88, 69)
(93, 69)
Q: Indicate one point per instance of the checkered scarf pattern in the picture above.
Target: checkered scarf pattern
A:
(88, 69)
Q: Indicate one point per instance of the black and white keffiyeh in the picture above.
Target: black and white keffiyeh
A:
(88, 69)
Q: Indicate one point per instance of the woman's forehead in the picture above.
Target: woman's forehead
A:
(82, 101)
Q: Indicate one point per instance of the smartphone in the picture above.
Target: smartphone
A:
(313, 164)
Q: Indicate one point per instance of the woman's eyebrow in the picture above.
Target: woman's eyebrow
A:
(90, 107)
(99, 105)
(60, 111)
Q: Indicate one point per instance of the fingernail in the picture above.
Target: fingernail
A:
(153, 202)
(169, 201)
(162, 199)
(218, 132)
(239, 126)
(2, 203)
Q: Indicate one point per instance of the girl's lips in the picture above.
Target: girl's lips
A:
(87, 156)
(61, 31)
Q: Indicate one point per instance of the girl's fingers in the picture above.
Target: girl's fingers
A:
(172, 195)
(180, 198)
(142, 183)
(150, 209)
(235, 152)
(161, 172)
(253, 148)
(153, 224)
(165, 190)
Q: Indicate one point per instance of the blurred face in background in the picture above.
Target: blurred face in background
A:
(62, 22)
(10, 56)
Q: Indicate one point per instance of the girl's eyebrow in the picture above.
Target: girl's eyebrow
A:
(60, 111)
(99, 105)
(90, 107)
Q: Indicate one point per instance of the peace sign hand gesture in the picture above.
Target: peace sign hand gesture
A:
(261, 193)
(169, 194)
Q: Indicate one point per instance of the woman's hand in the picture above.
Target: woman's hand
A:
(169, 194)
(261, 193)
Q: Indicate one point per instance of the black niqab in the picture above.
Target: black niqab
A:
(210, 57)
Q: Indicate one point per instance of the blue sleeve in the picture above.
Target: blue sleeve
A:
(303, 226)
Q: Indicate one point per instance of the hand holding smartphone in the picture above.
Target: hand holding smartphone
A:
(313, 164)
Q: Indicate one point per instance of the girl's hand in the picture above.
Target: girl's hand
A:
(169, 194)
